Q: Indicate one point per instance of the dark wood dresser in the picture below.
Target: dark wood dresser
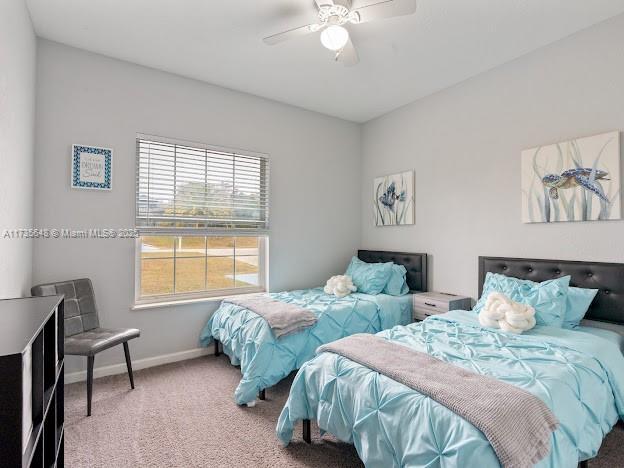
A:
(31, 382)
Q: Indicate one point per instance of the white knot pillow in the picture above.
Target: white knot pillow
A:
(339, 286)
(510, 316)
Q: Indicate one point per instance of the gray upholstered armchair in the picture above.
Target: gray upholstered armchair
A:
(83, 335)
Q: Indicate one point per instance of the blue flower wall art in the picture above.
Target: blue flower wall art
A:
(576, 180)
(393, 199)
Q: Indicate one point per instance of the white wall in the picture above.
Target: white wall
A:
(465, 142)
(90, 99)
(17, 127)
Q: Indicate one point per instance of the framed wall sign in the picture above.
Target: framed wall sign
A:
(92, 168)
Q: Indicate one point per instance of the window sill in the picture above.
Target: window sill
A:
(173, 303)
(189, 301)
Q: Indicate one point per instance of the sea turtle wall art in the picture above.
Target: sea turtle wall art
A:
(393, 199)
(575, 180)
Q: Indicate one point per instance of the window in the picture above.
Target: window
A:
(202, 215)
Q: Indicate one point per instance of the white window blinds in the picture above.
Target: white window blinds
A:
(200, 188)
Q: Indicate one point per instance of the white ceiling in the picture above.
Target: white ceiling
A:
(401, 59)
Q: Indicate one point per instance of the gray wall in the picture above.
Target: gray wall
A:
(90, 99)
(17, 127)
(465, 142)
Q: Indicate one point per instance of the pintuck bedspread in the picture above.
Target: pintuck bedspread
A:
(579, 376)
(264, 359)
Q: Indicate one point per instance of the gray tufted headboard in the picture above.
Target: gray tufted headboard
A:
(414, 263)
(608, 278)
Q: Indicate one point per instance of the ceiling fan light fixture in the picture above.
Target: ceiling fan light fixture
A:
(334, 37)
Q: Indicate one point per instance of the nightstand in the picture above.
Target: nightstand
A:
(433, 303)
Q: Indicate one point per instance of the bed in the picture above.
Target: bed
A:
(264, 359)
(578, 374)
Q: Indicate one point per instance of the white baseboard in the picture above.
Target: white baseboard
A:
(137, 364)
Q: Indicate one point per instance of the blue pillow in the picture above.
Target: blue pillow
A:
(397, 286)
(579, 300)
(369, 278)
(547, 298)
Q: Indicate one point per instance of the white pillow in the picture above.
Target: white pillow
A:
(510, 316)
(339, 286)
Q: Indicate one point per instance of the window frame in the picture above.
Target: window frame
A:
(140, 300)
(262, 234)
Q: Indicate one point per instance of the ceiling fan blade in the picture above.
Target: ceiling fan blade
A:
(291, 33)
(348, 56)
(385, 9)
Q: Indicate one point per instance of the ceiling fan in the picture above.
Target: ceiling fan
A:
(334, 15)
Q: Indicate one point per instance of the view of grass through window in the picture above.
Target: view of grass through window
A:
(185, 264)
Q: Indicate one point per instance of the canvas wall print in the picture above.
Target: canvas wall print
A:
(92, 167)
(393, 199)
(576, 180)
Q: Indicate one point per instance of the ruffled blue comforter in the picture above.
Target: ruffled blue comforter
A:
(579, 376)
(248, 340)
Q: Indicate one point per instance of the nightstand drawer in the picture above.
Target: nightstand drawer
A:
(421, 313)
(439, 300)
(433, 303)
(430, 303)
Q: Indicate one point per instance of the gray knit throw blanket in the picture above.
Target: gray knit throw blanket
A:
(517, 424)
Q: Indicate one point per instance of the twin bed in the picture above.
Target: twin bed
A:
(264, 359)
(578, 373)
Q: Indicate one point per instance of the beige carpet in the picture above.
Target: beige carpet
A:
(183, 415)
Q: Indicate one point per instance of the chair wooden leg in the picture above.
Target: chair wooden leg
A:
(307, 431)
(90, 360)
(216, 347)
(128, 363)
